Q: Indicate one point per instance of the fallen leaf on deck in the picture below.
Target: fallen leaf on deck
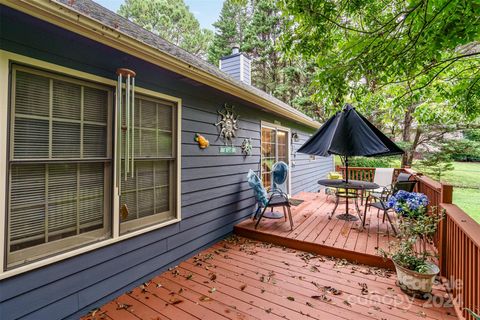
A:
(204, 298)
(322, 297)
(332, 290)
(243, 286)
(123, 306)
(291, 298)
(175, 300)
(347, 303)
(189, 276)
(314, 269)
(364, 288)
(212, 290)
(309, 304)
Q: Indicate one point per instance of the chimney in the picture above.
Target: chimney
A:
(237, 65)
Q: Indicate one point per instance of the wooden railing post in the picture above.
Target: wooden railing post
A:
(446, 195)
(442, 245)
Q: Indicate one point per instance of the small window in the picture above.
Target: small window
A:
(59, 165)
(149, 196)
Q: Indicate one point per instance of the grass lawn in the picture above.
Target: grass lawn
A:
(468, 200)
(466, 191)
(465, 174)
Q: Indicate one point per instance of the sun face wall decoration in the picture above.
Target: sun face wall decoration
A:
(227, 125)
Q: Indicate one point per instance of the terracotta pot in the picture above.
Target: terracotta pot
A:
(416, 283)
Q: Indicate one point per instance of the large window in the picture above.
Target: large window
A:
(60, 164)
(61, 188)
(147, 197)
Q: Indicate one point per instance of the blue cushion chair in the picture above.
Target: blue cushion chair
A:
(276, 197)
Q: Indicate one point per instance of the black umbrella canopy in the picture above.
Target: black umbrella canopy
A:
(348, 134)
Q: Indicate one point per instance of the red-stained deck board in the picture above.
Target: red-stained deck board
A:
(243, 279)
(313, 230)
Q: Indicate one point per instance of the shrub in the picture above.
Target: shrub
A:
(375, 162)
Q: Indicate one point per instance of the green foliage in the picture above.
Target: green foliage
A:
(419, 228)
(465, 150)
(375, 162)
(171, 20)
(436, 164)
(472, 134)
(412, 67)
(406, 256)
(474, 315)
(230, 29)
(406, 42)
(256, 26)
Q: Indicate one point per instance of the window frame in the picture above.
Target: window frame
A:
(49, 248)
(8, 58)
(136, 224)
(276, 127)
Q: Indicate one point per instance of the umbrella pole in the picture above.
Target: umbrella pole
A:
(346, 180)
(346, 169)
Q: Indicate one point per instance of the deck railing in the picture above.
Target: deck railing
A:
(457, 240)
(363, 173)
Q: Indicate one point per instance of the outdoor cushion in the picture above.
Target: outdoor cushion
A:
(256, 184)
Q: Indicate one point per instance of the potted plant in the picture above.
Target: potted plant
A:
(413, 262)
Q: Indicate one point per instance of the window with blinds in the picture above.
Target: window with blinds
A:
(148, 196)
(59, 164)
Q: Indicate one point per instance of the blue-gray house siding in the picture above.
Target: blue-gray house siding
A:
(215, 195)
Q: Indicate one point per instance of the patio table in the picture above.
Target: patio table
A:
(356, 185)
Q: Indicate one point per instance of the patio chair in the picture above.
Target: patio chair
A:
(383, 177)
(275, 197)
(380, 200)
(337, 191)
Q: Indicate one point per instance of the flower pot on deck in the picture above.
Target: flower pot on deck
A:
(416, 284)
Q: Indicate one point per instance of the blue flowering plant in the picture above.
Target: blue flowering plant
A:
(408, 204)
(416, 227)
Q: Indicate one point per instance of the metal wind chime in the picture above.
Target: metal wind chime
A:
(125, 124)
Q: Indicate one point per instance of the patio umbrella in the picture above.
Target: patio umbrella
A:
(349, 134)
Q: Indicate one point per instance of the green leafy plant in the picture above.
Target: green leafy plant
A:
(416, 226)
(476, 316)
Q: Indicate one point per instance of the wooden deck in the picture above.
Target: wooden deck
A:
(244, 279)
(314, 232)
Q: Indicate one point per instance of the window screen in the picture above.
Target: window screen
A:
(60, 164)
(148, 195)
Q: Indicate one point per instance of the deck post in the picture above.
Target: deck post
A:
(446, 196)
(446, 193)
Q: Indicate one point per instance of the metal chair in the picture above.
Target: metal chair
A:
(277, 197)
(381, 199)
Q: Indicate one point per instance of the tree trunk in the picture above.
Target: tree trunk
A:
(406, 135)
(418, 132)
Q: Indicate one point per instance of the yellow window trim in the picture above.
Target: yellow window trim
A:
(74, 21)
(5, 59)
